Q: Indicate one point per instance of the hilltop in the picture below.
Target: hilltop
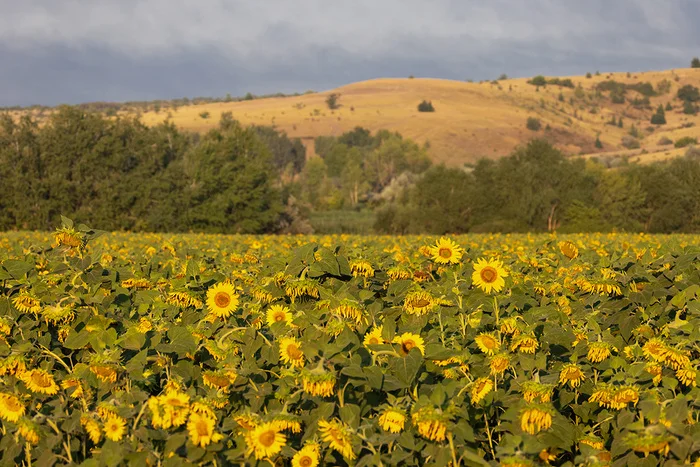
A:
(474, 120)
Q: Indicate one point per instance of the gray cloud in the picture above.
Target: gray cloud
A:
(86, 50)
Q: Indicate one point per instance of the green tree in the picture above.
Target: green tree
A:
(695, 62)
(332, 100)
(659, 118)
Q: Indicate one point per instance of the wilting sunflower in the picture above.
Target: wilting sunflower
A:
(392, 419)
(352, 311)
(219, 380)
(446, 251)
(593, 441)
(525, 344)
(201, 429)
(39, 381)
(534, 391)
(11, 408)
(431, 423)
(361, 268)
(687, 376)
(488, 275)
(318, 383)
(26, 303)
(104, 373)
(408, 341)
(572, 375)
(374, 337)
(338, 435)
(264, 441)
(499, 364)
(480, 389)
(419, 303)
(487, 343)
(115, 427)
(568, 249)
(222, 299)
(290, 352)
(598, 351)
(308, 456)
(287, 422)
(28, 430)
(535, 418)
(648, 443)
(278, 314)
(92, 427)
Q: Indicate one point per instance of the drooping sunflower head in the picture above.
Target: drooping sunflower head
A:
(222, 300)
(419, 303)
(489, 275)
(39, 381)
(339, 437)
(480, 389)
(446, 251)
(392, 419)
(11, 408)
(568, 249)
(572, 375)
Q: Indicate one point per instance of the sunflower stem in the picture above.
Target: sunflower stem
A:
(495, 308)
(138, 419)
(488, 433)
(452, 449)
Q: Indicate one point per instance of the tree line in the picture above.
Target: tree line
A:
(119, 174)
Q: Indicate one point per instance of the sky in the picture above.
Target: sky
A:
(73, 51)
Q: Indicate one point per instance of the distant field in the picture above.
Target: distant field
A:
(472, 120)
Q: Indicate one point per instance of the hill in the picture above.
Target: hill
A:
(474, 120)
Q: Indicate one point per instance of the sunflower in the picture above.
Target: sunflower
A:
(648, 443)
(339, 437)
(219, 380)
(176, 406)
(287, 422)
(598, 351)
(431, 423)
(104, 373)
(568, 249)
(308, 456)
(392, 420)
(319, 384)
(446, 251)
(480, 389)
(374, 337)
(534, 390)
(361, 268)
(76, 385)
(290, 352)
(11, 409)
(222, 299)
(592, 441)
(408, 341)
(687, 376)
(351, 310)
(201, 430)
(92, 427)
(535, 418)
(499, 364)
(572, 375)
(487, 343)
(488, 275)
(524, 344)
(39, 381)
(115, 427)
(28, 430)
(655, 370)
(26, 303)
(278, 314)
(264, 441)
(419, 303)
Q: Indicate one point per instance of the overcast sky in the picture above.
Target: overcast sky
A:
(71, 51)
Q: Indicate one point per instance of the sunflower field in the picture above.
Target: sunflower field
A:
(513, 350)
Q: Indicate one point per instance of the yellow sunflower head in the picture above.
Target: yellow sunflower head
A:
(308, 456)
(290, 352)
(265, 441)
(446, 251)
(408, 341)
(489, 275)
(222, 300)
(278, 314)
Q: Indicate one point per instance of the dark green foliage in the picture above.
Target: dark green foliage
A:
(538, 80)
(426, 106)
(588, 75)
(688, 93)
(204, 115)
(645, 88)
(659, 118)
(332, 100)
(695, 62)
(121, 175)
(286, 153)
(533, 124)
(685, 141)
(598, 143)
(668, 106)
(689, 108)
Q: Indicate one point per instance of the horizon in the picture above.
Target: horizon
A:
(135, 51)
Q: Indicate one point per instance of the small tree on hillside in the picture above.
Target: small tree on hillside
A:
(332, 100)
(659, 118)
(426, 106)
(533, 124)
(695, 62)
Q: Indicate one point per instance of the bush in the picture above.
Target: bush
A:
(426, 106)
(695, 62)
(693, 152)
(598, 143)
(533, 124)
(685, 141)
(588, 75)
(332, 100)
(630, 142)
(538, 80)
(689, 108)
(665, 141)
(688, 93)
(659, 118)
(204, 115)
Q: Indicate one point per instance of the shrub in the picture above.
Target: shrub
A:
(688, 93)
(630, 142)
(695, 62)
(204, 115)
(693, 152)
(689, 108)
(665, 141)
(659, 118)
(598, 143)
(685, 141)
(533, 124)
(332, 100)
(588, 75)
(538, 80)
(426, 106)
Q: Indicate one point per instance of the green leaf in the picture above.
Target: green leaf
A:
(16, 268)
(406, 368)
(350, 414)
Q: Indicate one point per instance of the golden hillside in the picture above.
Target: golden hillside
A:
(471, 120)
